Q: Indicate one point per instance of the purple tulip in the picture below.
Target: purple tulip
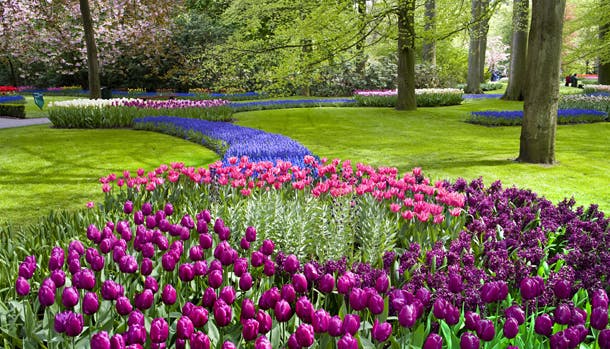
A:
(320, 321)
(486, 330)
(530, 288)
(455, 283)
(288, 293)
(94, 234)
(196, 253)
(117, 342)
(244, 244)
(345, 284)
(283, 311)
(144, 300)
(228, 345)
(222, 313)
(69, 297)
(257, 259)
(516, 313)
(146, 208)
(335, 326)
(136, 317)
(299, 282)
(61, 319)
(434, 341)
(382, 284)
(248, 310)
(267, 247)
(264, 321)
(269, 268)
(250, 329)
(59, 277)
(136, 334)
(562, 289)
(358, 299)
(159, 330)
(407, 316)
(471, 320)
(250, 234)
(228, 294)
(74, 324)
(305, 335)
(100, 340)
(186, 272)
(440, 308)
(262, 343)
(469, 341)
(184, 328)
(123, 305)
(209, 297)
(579, 317)
(347, 342)
(22, 286)
(111, 290)
(511, 328)
(215, 278)
(326, 283)
(381, 331)
(269, 298)
(205, 240)
(84, 279)
(128, 264)
(168, 209)
(291, 264)
(376, 304)
(200, 268)
(351, 324)
(199, 316)
(563, 314)
(215, 265)
(305, 310)
(599, 299)
(26, 270)
(452, 315)
(187, 308)
(292, 342)
(91, 303)
(77, 246)
(599, 318)
(603, 339)
(311, 272)
(560, 341)
(543, 325)
(200, 340)
(151, 222)
(151, 284)
(168, 295)
(169, 261)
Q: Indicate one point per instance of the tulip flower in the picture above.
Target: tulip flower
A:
(305, 310)
(515, 312)
(250, 234)
(469, 341)
(326, 283)
(117, 342)
(264, 321)
(123, 305)
(599, 318)
(269, 268)
(563, 314)
(144, 299)
(283, 311)
(599, 299)
(299, 282)
(603, 339)
(90, 303)
(531, 287)
(74, 324)
(562, 289)
(199, 340)
(46, 296)
(262, 343)
(320, 321)
(351, 324)
(215, 278)
(209, 297)
(199, 316)
(136, 334)
(111, 290)
(455, 283)
(305, 335)
(560, 341)
(335, 326)
(100, 340)
(22, 286)
(511, 328)
(486, 330)
(381, 331)
(250, 329)
(267, 247)
(434, 341)
(291, 264)
(61, 319)
(222, 313)
(382, 283)
(184, 328)
(59, 277)
(347, 342)
(311, 272)
(471, 320)
(228, 345)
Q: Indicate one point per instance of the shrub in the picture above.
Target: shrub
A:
(491, 86)
(13, 110)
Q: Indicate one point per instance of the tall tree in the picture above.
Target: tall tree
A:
(603, 76)
(537, 143)
(429, 45)
(483, 31)
(476, 53)
(92, 62)
(518, 51)
(406, 55)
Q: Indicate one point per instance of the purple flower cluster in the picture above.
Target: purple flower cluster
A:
(169, 103)
(11, 99)
(564, 116)
(257, 145)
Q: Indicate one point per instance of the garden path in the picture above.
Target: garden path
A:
(13, 122)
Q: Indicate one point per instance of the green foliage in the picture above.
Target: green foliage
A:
(423, 100)
(12, 110)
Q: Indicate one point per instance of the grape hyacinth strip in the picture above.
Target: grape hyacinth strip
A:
(235, 141)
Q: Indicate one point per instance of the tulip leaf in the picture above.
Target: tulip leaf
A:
(212, 332)
(366, 343)
(419, 336)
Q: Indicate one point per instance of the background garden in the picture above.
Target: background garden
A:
(247, 181)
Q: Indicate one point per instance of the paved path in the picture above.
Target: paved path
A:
(12, 122)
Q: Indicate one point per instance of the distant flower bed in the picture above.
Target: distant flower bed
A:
(512, 118)
(110, 113)
(596, 88)
(425, 97)
(597, 101)
(12, 99)
(292, 103)
(7, 90)
(229, 140)
(482, 95)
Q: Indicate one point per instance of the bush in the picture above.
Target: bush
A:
(491, 86)
(513, 118)
(424, 97)
(13, 110)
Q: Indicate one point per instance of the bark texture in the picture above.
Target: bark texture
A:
(92, 61)
(476, 55)
(406, 56)
(537, 143)
(429, 45)
(518, 52)
(603, 74)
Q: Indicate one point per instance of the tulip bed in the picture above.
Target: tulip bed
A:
(585, 101)
(113, 113)
(425, 97)
(172, 259)
(513, 118)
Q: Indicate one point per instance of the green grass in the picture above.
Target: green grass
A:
(33, 112)
(43, 168)
(438, 140)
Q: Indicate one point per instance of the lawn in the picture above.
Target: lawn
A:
(32, 111)
(42, 168)
(438, 140)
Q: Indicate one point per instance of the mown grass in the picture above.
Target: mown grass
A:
(42, 168)
(32, 111)
(439, 141)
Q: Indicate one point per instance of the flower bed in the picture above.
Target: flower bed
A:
(596, 88)
(109, 113)
(7, 90)
(481, 95)
(512, 118)
(600, 102)
(523, 273)
(291, 103)
(12, 99)
(425, 97)
(229, 140)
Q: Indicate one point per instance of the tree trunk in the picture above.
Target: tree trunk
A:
(514, 90)
(482, 50)
(537, 143)
(361, 58)
(603, 73)
(406, 56)
(92, 62)
(483, 30)
(13, 72)
(429, 45)
(473, 81)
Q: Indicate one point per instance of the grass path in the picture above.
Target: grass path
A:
(438, 140)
